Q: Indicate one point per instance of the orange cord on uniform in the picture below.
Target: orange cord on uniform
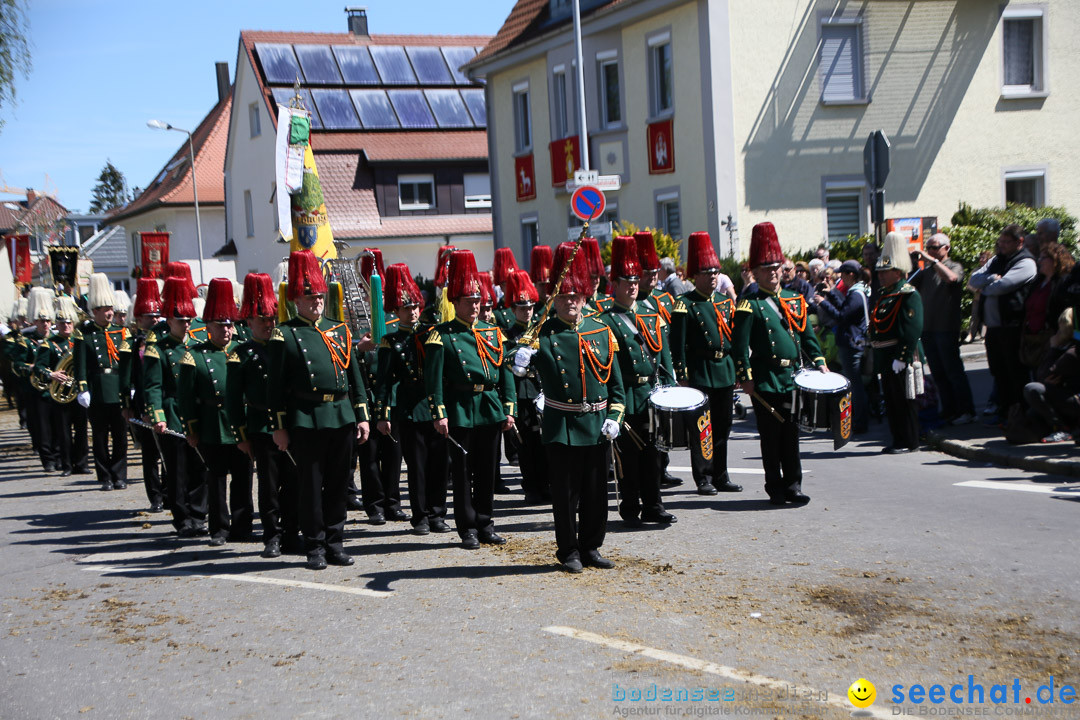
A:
(340, 356)
(796, 321)
(890, 316)
(110, 346)
(585, 350)
(654, 338)
(486, 350)
(721, 323)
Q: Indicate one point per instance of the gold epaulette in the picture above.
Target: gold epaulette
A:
(234, 357)
(76, 334)
(679, 306)
(188, 359)
(744, 306)
(613, 341)
(151, 337)
(276, 335)
(151, 352)
(124, 347)
(434, 338)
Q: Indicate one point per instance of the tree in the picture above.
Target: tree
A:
(14, 49)
(110, 191)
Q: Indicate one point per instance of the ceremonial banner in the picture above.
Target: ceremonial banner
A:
(63, 263)
(525, 178)
(311, 226)
(661, 147)
(565, 159)
(18, 247)
(155, 253)
(85, 270)
(288, 164)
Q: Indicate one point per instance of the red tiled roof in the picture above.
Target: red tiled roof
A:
(175, 188)
(45, 209)
(426, 226)
(523, 23)
(10, 218)
(409, 145)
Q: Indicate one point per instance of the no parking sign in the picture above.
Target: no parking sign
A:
(588, 203)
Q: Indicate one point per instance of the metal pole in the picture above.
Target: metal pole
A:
(198, 221)
(583, 129)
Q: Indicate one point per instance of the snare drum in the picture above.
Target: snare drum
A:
(672, 406)
(818, 399)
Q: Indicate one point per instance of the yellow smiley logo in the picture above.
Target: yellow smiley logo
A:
(862, 693)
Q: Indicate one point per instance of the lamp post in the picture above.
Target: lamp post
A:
(159, 125)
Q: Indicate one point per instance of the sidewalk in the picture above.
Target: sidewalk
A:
(987, 444)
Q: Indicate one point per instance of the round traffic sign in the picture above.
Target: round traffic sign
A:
(588, 203)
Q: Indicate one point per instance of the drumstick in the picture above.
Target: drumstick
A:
(634, 436)
(768, 407)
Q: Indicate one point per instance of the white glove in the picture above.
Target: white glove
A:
(83, 398)
(519, 371)
(898, 366)
(610, 429)
(523, 357)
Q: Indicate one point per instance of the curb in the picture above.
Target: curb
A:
(970, 451)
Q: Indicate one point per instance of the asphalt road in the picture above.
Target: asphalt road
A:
(896, 572)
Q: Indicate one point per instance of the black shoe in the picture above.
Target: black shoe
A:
(502, 490)
(470, 541)
(797, 497)
(706, 488)
(728, 486)
(157, 507)
(573, 566)
(187, 532)
(663, 517)
(532, 498)
(593, 558)
(421, 529)
(353, 503)
(273, 548)
(670, 481)
(376, 519)
(397, 516)
(65, 472)
(777, 500)
(217, 541)
(316, 561)
(492, 539)
(106, 486)
(897, 450)
(50, 468)
(632, 521)
(339, 557)
(438, 525)
(119, 485)
(80, 471)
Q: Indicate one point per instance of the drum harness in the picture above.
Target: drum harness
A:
(786, 321)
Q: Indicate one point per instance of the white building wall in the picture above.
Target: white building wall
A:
(183, 246)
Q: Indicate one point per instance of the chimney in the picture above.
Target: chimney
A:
(31, 196)
(357, 21)
(222, 71)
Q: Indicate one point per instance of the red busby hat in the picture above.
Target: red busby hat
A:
(305, 275)
(576, 280)
(260, 297)
(590, 248)
(463, 280)
(176, 300)
(505, 263)
(624, 262)
(520, 290)
(646, 251)
(487, 290)
(765, 246)
(702, 256)
(540, 264)
(220, 305)
(180, 270)
(442, 264)
(369, 261)
(147, 298)
(399, 288)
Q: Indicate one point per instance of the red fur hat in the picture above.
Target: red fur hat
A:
(399, 288)
(180, 270)
(220, 305)
(702, 255)
(540, 264)
(442, 263)
(520, 290)
(765, 246)
(624, 262)
(176, 300)
(577, 280)
(505, 263)
(147, 298)
(367, 261)
(646, 251)
(463, 280)
(590, 248)
(260, 297)
(487, 290)
(305, 275)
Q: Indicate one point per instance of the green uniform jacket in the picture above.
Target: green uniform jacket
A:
(504, 318)
(896, 326)
(643, 350)
(701, 339)
(49, 354)
(162, 360)
(13, 351)
(203, 388)
(97, 362)
(25, 364)
(564, 350)
(196, 333)
(309, 389)
(528, 387)
(766, 351)
(247, 388)
(400, 375)
(468, 380)
(662, 302)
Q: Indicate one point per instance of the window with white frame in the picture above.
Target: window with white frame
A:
(1026, 187)
(522, 121)
(668, 215)
(560, 121)
(253, 119)
(845, 212)
(1023, 44)
(530, 233)
(661, 80)
(477, 190)
(610, 100)
(416, 192)
(841, 61)
(249, 214)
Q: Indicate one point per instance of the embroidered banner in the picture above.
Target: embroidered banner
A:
(565, 159)
(155, 253)
(661, 147)
(525, 177)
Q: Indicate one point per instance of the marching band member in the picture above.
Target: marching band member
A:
(540, 271)
(13, 351)
(121, 307)
(596, 301)
(68, 427)
(41, 311)
(523, 296)
(504, 266)
(147, 313)
(487, 301)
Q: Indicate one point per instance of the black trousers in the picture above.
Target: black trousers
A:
(578, 477)
(902, 414)
(380, 472)
(107, 423)
(473, 477)
(324, 464)
(69, 436)
(151, 464)
(427, 461)
(779, 441)
(40, 414)
(532, 457)
(185, 483)
(1003, 357)
(714, 469)
(278, 490)
(227, 461)
(639, 489)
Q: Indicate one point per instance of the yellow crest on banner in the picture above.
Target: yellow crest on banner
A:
(311, 226)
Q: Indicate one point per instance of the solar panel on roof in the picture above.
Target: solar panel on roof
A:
(283, 96)
(374, 108)
(412, 108)
(318, 64)
(336, 109)
(278, 63)
(449, 109)
(429, 65)
(356, 65)
(455, 58)
(393, 65)
(477, 104)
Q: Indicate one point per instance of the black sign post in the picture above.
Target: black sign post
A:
(876, 165)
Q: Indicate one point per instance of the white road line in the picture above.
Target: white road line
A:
(991, 485)
(712, 668)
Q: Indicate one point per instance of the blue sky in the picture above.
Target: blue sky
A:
(102, 68)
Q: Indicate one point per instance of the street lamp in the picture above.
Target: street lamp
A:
(159, 125)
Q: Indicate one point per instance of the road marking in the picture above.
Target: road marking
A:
(711, 668)
(991, 485)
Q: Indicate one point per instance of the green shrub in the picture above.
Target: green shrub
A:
(666, 246)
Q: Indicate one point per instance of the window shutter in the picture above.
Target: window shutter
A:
(842, 212)
(839, 63)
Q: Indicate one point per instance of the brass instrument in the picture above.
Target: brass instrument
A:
(531, 337)
(64, 391)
